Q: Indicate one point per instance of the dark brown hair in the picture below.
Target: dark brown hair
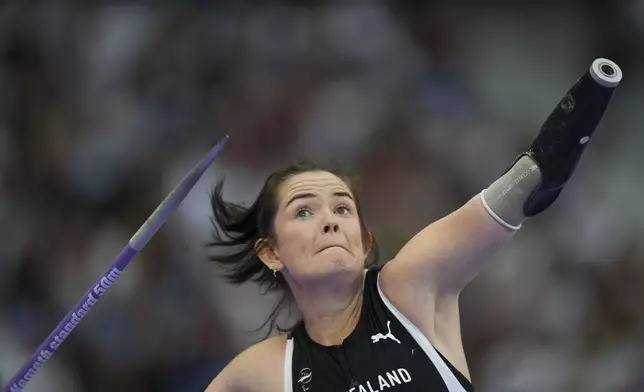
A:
(239, 228)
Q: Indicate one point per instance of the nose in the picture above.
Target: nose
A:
(330, 228)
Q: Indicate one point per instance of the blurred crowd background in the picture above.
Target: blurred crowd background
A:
(104, 108)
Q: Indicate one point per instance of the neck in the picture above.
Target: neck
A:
(331, 311)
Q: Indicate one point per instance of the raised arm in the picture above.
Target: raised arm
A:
(446, 255)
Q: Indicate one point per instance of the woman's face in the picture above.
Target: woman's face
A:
(317, 229)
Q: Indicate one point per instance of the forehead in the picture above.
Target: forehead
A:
(318, 182)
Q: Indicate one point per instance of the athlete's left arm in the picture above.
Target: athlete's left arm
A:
(446, 255)
(449, 253)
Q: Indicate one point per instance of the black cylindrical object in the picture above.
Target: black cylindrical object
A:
(568, 130)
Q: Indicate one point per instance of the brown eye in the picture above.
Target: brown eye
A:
(343, 210)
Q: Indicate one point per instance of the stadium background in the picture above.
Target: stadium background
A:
(104, 108)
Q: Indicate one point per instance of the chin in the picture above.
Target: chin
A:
(330, 264)
(341, 264)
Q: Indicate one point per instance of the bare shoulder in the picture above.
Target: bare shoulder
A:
(258, 368)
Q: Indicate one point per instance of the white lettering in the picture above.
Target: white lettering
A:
(114, 273)
(59, 336)
(30, 374)
(99, 290)
(404, 375)
(393, 378)
(106, 283)
(383, 383)
(76, 319)
(387, 380)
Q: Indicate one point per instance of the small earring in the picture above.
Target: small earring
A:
(274, 272)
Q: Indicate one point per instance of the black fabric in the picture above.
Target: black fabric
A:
(359, 364)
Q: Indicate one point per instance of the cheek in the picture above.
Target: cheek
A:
(294, 241)
(356, 234)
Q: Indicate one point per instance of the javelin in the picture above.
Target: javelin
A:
(98, 288)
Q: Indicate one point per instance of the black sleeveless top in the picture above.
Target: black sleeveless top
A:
(385, 352)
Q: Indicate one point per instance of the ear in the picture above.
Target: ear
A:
(267, 254)
(367, 242)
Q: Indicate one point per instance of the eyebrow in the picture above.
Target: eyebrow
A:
(310, 195)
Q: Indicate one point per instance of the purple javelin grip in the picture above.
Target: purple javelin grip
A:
(100, 286)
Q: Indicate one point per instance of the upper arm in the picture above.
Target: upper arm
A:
(426, 277)
(447, 254)
(259, 368)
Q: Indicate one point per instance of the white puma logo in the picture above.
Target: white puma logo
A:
(377, 337)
